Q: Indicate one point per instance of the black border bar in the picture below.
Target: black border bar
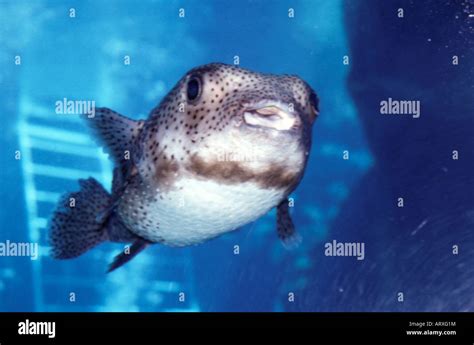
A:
(241, 328)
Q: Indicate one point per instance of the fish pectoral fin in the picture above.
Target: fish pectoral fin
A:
(128, 254)
(285, 227)
(118, 133)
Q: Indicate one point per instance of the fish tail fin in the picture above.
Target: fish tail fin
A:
(128, 254)
(75, 227)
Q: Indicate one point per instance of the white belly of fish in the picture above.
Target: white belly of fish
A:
(198, 210)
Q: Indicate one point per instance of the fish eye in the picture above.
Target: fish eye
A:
(194, 88)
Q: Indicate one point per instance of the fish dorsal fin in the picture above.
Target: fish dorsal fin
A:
(117, 133)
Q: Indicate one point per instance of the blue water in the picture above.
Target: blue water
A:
(77, 49)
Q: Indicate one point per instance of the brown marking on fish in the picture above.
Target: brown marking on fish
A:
(166, 172)
(231, 172)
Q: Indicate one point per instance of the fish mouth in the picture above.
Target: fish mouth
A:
(270, 114)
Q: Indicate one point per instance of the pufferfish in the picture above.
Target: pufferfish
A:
(224, 147)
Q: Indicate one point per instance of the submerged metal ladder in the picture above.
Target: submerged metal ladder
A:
(56, 150)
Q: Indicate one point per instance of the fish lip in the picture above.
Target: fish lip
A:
(270, 114)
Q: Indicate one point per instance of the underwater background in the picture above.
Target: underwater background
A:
(354, 54)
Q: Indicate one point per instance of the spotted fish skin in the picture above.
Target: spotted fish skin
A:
(224, 147)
